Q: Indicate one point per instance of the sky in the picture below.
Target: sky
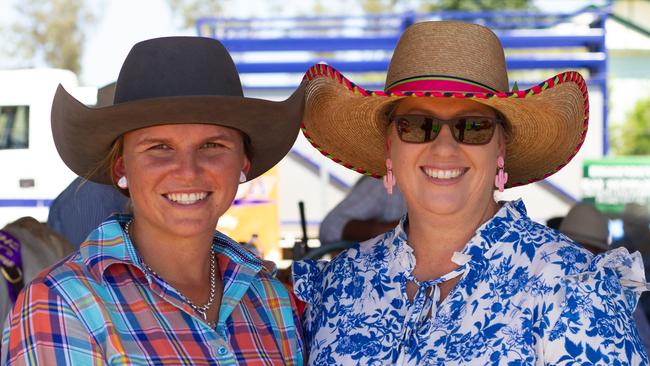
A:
(122, 23)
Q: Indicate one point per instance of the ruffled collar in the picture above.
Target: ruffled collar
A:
(393, 246)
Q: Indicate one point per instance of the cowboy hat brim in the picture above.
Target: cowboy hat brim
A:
(83, 136)
(548, 122)
(585, 239)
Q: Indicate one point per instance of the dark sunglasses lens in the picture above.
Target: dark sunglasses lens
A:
(474, 130)
(470, 130)
(414, 129)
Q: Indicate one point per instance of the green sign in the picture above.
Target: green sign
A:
(612, 182)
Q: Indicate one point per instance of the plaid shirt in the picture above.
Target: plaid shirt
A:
(99, 306)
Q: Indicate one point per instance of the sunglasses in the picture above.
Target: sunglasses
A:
(417, 129)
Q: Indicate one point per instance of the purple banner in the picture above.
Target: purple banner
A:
(11, 263)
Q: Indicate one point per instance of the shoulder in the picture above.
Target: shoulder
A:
(51, 322)
(594, 319)
(538, 259)
(363, 261)
(46, 296)
(542, 250)
(579, 282)
(67, 192)
(556, 252)
(562, 262)
(248, 268)
(64, 276)
(267, 279)
(310, 277)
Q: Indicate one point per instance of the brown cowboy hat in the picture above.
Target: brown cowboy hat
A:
(174, 80)
(441, 59)
(586, 225)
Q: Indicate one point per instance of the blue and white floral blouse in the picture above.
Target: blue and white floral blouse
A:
(527, 296)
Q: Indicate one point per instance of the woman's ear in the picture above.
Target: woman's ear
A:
(388, 142)
(247, 165)
(503, 142)
(118, 169)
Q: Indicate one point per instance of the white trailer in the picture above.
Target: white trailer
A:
(31, 172)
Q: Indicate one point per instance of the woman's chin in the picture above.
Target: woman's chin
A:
(187, 227)
(444, 205)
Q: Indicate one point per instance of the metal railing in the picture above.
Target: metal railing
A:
(363, 44)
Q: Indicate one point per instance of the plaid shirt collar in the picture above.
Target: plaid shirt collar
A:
(116, 248)
(108, 246)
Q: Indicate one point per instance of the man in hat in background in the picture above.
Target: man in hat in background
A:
(365, 212)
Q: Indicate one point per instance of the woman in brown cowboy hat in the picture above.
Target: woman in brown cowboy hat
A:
(160, 286)
(462, 279)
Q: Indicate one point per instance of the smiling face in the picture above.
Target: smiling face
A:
(182, 177)
(444, 176)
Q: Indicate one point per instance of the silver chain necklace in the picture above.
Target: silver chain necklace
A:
(203, 310)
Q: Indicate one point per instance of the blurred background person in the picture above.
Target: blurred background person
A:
(26, 248)
(365, 212)
(82, 206)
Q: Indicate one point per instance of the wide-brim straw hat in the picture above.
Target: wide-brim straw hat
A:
(174, 80)
(441, 59)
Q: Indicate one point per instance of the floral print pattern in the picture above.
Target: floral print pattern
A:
(527, 295)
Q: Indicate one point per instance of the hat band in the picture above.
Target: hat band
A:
(439, 83)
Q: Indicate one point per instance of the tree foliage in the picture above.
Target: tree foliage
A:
(384, 6)
(634, 136)
(191, 10)
(478, 5)
(387, 6)
(378, 6)
(52, 31)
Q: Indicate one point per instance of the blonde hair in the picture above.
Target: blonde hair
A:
(108, 162)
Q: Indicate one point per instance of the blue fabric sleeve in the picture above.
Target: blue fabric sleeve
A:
(596, 326)
(308, 279)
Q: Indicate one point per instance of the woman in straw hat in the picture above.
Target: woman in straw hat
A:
(161, 286)
(462, 279)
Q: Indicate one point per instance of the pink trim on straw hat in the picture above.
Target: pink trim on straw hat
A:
(439, 83)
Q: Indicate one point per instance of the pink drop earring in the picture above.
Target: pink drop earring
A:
(389, 179)
(502, 177)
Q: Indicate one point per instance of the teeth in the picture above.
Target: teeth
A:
(443, 174)
(186, 198)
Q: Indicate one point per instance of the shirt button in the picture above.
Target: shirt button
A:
(222, 351)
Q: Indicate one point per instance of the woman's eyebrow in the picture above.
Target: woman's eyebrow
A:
(220, 136)
(168, 141)
(153, 141)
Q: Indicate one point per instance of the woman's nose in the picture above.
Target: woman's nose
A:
(444, 143)
(188, 165)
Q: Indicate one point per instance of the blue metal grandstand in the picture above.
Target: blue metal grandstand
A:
(362, 45)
